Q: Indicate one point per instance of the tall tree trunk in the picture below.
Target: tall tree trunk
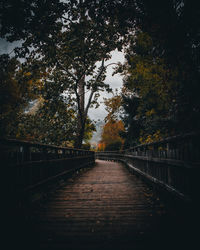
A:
(82, 109)
(80, 135)
(81, 119)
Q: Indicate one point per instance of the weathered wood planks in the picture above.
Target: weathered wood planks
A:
(105, 207)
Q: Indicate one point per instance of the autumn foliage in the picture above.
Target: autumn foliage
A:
(110, 139)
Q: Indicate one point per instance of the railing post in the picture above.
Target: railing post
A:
(169, 179)
(168, 149)
(26, 153)
(44, 153)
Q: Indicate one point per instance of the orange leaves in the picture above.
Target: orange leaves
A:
(110, 138)
(111, 133)
(101, 146)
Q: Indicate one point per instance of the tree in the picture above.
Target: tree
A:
(113, 107)
(73, 60)
(111, 135)
(17, 89)
(71, 41)
(49, 123)
(132, 124)
(89, 129)
(150, 102)
(174, 28)
(101, 146)
(111, 138)
(68, 43)
(32, 20)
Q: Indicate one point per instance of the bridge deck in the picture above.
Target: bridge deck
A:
(105, 207)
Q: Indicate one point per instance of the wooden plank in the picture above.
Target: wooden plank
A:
(105, 207)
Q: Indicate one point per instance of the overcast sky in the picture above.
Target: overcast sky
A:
(115, 82)
(6, 47)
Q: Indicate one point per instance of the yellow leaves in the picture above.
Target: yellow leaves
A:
(111, 132)
(27, 74)
(157, 136)
(113, 106)
(150, 112)
(150, 73)
(146, 139)
(73, 116)
(39, 84)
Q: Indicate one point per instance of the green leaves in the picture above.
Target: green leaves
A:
(16, 87)
(52, 122)
(151, 91)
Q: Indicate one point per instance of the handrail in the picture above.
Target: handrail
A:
(19, 151)
(35, 144)
(182, 147)
(172, 163)
(27, 166)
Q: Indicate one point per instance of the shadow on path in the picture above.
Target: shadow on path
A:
(105, 207)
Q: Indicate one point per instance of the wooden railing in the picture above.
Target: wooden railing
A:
(26, 166)
(173, 163)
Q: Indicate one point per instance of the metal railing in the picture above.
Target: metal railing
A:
(172, 163)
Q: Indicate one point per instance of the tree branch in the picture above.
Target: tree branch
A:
(92, 92)
(68, 72)
(88, 104)
(101, 71)
(110, 64)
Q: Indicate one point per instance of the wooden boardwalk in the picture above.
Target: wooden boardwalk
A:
(105, 207)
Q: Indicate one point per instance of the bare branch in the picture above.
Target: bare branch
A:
(110, 64)
(92, 92)
(67, 19)
(102, 68)
(88, 104)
